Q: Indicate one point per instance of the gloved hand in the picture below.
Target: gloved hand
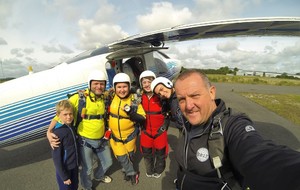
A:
(131, 112)
(128, 109)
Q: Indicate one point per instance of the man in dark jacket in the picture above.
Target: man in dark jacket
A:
(246, 161)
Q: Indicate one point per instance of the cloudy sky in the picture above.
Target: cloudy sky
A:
(43, 33)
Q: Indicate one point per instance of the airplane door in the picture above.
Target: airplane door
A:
(133, 67)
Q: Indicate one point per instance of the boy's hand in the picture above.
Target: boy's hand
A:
(67, 182)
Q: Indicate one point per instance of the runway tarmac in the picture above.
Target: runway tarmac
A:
(28, 166)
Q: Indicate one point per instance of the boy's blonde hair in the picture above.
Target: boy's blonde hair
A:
(62, 105)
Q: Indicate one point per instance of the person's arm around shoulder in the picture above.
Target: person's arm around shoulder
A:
(52, 138)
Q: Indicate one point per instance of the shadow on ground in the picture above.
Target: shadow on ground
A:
(278, 134)
(24, 154)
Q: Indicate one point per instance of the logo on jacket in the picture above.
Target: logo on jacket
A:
(202, 154)
(249, 128)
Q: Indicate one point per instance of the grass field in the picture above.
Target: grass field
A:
(254, 80)
(285, 105)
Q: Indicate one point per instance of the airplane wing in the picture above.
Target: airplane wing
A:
(274, 26)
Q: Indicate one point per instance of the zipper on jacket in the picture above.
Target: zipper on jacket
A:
(75, 145)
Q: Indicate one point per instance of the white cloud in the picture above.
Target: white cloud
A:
(231, 53)
(2, 41)
(163, 15)
(291, 51)
(94, 35)
(229, 45)
(207, 10)
(57, 49)
(5, 11)
(101, 29)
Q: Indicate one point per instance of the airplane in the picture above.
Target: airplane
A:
(27, 103)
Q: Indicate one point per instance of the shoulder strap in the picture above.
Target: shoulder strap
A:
(108, 97)
(81, 107)
(136, 99)
(216, 147)
(216, 144)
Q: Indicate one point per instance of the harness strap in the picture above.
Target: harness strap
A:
(128, 139)
(83, 142)
(93, 116)
(118, 116)
(216, 147)
(146, 133)
(216, 142)
(153, 112)
(159, 132)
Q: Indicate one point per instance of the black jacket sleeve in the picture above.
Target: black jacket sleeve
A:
(261, 163)
(57, 155)
(136, 117)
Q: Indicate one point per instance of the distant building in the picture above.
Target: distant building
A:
(244, 73)
(259, 73)
(272, 74)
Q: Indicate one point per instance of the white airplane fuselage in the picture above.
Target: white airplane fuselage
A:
(28, 103)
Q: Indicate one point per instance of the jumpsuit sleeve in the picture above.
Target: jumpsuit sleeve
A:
(261, 163)
(139, 116)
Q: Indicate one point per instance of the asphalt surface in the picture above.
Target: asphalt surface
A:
(28, 166)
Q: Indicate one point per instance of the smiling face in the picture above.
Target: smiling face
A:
(98, 87)
(196, 98)
(122, 89)
(162, 91)
(146, 84)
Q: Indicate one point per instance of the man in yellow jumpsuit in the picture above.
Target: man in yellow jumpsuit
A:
(90, 130)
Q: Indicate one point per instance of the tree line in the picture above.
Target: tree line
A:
(226, 70)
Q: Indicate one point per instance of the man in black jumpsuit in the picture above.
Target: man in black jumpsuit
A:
(249, 161)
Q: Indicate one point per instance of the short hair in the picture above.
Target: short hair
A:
(62, 105)
(185, 73)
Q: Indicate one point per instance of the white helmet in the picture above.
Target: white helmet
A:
(161, 80)
(146, 73)
(121, 77)
(97, 75)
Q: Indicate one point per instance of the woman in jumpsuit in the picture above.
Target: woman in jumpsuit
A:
(153, 141)
(125, 114)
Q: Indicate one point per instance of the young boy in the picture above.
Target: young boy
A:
(65, 156)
